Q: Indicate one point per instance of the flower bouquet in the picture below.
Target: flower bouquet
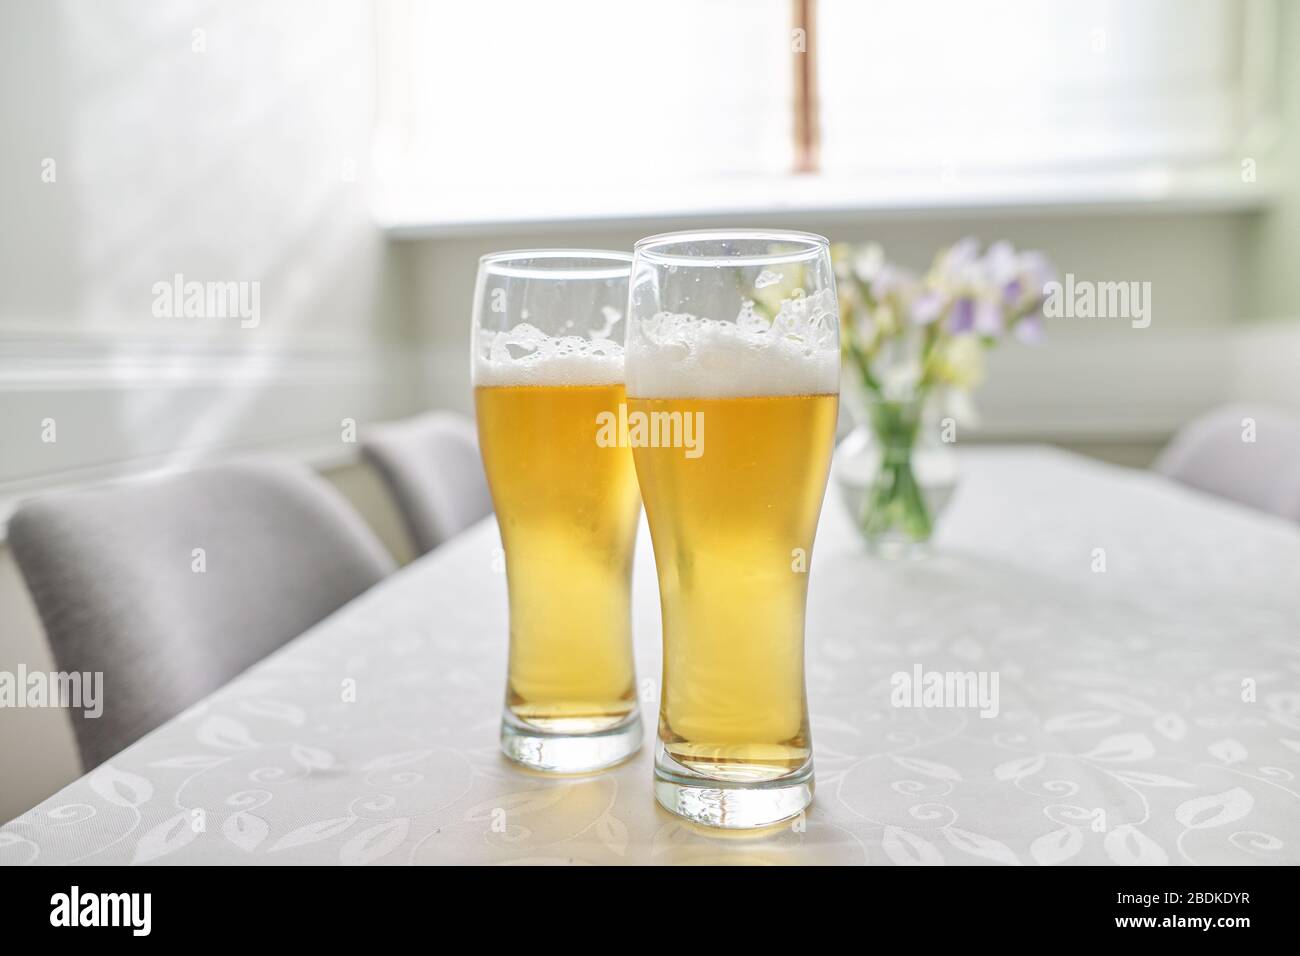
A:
(913, 348)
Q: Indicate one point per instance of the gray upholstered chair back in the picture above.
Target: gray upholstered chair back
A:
(432, 467)
(171, 586)
(1250, 455)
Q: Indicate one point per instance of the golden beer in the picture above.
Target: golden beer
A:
(734, 333)
(568, 511)
(733, 534)
(546, 369)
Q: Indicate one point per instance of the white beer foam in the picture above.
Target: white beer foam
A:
(684, 356)
(527, 356)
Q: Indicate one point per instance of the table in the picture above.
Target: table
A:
(1148, 712)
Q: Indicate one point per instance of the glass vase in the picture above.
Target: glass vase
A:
(896, 475)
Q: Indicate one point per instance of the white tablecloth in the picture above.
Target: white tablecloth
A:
(1149, 712)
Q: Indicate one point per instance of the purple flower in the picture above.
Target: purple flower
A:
(889, 279)
(1001, 263)
(960, 257)
(1012, 291)
(988, 317)
(927, 307)
(1036, 270)
(962, 317)
(1030, 329)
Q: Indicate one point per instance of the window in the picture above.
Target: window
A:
(1023, 84)
(516, 109)
(570, 91)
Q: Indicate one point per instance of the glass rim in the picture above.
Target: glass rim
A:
(530, 264)
(812, 246)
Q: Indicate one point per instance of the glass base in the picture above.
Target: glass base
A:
(728, 804)
(556, 751)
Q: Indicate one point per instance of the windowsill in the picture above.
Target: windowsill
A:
(415, 212)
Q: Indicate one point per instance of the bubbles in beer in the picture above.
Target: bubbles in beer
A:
(525, 355)
(795, 352)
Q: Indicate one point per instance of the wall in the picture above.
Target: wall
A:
(225, 142)
(1267, 359)
(1273, 291)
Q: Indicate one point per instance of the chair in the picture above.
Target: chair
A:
(432, 467)
(1212, 455)
(171, 586)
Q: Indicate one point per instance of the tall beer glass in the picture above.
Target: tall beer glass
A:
(548, 370)
(733, 345)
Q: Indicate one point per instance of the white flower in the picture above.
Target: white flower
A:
(884, 319)
(864, 330)
(962, 362)
(1001, 263)
(959, 267)
(900, 380)
(868, 262)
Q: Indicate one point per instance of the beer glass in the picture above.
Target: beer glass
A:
(548, 375)
(733, 348)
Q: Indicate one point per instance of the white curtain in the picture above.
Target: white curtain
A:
(616, 95)
(914, 85)
(570, 92)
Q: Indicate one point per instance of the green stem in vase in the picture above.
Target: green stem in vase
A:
(863, 367)
(896, 500)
